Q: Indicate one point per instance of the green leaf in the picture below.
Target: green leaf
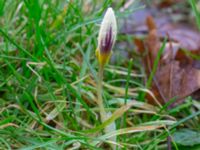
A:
(187, 137)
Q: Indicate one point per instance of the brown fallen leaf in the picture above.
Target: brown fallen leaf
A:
(176, 77)
(173, 81)
(187, 37)
(168, 3)
(182, 31)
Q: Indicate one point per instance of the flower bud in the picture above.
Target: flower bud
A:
(107, 37)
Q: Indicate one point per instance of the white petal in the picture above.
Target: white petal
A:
(109, 20)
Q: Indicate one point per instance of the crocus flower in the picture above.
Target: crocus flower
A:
(107, 37)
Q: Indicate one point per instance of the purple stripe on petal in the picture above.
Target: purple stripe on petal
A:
(107, 43)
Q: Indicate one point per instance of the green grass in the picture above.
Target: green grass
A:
(48, 82)
(195, 11)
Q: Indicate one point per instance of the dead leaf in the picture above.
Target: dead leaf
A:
(173, 81)
(168, 3)
(180, 32)
(176, 76)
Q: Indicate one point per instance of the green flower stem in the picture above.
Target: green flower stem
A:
(99, 94)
